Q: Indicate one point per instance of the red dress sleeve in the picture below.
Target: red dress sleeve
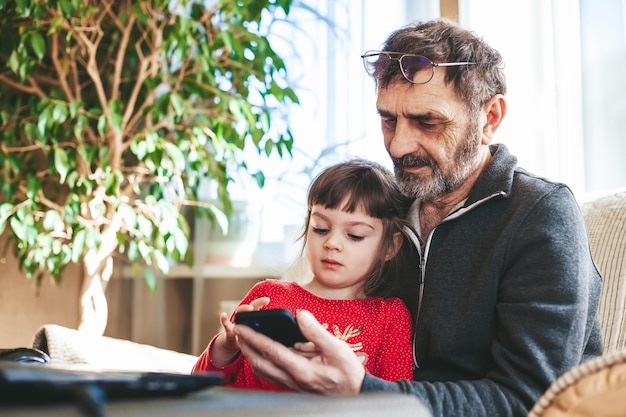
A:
(395, 359)
(204, 362)
(236, 373)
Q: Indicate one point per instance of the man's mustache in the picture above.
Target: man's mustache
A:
(413, 160)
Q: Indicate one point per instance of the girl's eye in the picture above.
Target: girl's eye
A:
(355, 237)
(320, 231)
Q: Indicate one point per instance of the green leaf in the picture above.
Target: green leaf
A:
(150, 279)
(178, 104)
(176, 156)
(144, 225)
(102, 125)
(33, 185)
(61, 163)
(55, 24)
(38, 43)
(260, 178)
(161, 262)
(74, 108)
(42, 122)
(67, 8)
(129, 215)
(116, 108)
(18, 228)
(5, 210)
(52, 221)
(59, 113)
(30, 129)
(181, 241)
(220, 218)
(78, 245)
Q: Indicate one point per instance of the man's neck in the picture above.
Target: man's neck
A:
(434, 211)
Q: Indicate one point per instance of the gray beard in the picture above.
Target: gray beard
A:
(429, 187)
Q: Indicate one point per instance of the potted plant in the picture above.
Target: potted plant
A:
(111, 115)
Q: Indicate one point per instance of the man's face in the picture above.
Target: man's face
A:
(430, 135)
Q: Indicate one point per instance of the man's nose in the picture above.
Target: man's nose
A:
(405, 140)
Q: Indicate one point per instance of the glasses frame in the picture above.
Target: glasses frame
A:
(374, 52)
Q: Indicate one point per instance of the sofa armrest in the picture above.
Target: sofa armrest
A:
(596, 388)
(71, 347)
(605, 218)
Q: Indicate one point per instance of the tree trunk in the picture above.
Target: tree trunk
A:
(93, 303)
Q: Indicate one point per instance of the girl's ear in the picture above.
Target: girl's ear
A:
(397, 244)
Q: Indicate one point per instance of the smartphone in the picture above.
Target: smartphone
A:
(278, 323)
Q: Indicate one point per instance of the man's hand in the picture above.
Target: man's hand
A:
(334, 370)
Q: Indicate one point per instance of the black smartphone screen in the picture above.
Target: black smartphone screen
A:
(279, 324)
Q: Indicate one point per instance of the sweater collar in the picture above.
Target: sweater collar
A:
(497, 178)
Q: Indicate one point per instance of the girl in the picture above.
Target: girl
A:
(353, 232)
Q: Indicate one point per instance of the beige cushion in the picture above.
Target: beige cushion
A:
(605, 219)
(70, 347)
(596, 388)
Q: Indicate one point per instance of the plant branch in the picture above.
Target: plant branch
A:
(32, 88)
(19, 149)
(61, 73)
(121, 50)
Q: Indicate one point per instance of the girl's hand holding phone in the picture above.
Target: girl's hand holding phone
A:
(225, 347)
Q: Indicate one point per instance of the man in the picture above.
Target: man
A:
(505, 293)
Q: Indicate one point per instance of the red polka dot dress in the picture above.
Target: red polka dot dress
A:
(377, 329)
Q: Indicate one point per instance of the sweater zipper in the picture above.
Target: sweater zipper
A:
(423, 257)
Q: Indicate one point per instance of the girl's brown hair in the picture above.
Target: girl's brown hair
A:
(367, 185)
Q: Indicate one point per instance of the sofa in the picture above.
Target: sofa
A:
(595, 388)
(70, 347)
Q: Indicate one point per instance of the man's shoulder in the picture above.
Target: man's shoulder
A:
(531, 186)
(503, 176)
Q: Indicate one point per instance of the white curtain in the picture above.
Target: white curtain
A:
(539, 43)
(567, 111)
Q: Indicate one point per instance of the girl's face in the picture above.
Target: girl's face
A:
(341, 248)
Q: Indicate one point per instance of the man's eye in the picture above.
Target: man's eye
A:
(431, 125)
(355, 237)
(320, 231)
(388, 122)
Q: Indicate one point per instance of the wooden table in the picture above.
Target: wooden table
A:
(224, 402)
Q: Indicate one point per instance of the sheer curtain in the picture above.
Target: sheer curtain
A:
(604, 92)
(539, 43)
(565, 120)
(336, 118)
(566, 100)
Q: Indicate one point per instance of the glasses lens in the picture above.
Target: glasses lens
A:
(376, 63)
(417, 69)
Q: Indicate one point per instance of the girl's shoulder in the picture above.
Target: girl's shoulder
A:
(272, 286)
(390, 306)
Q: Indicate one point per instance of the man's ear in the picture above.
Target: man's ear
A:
(397, 244)
(494, 110)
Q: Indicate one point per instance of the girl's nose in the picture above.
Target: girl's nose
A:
(332, 242)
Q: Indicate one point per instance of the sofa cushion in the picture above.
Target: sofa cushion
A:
(596, 388)
(71, 347)
(605, 218)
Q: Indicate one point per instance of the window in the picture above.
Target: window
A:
(566, 100)
(337, 117)
(566, 97)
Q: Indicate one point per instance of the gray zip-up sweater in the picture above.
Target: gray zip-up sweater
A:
(509, 297)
